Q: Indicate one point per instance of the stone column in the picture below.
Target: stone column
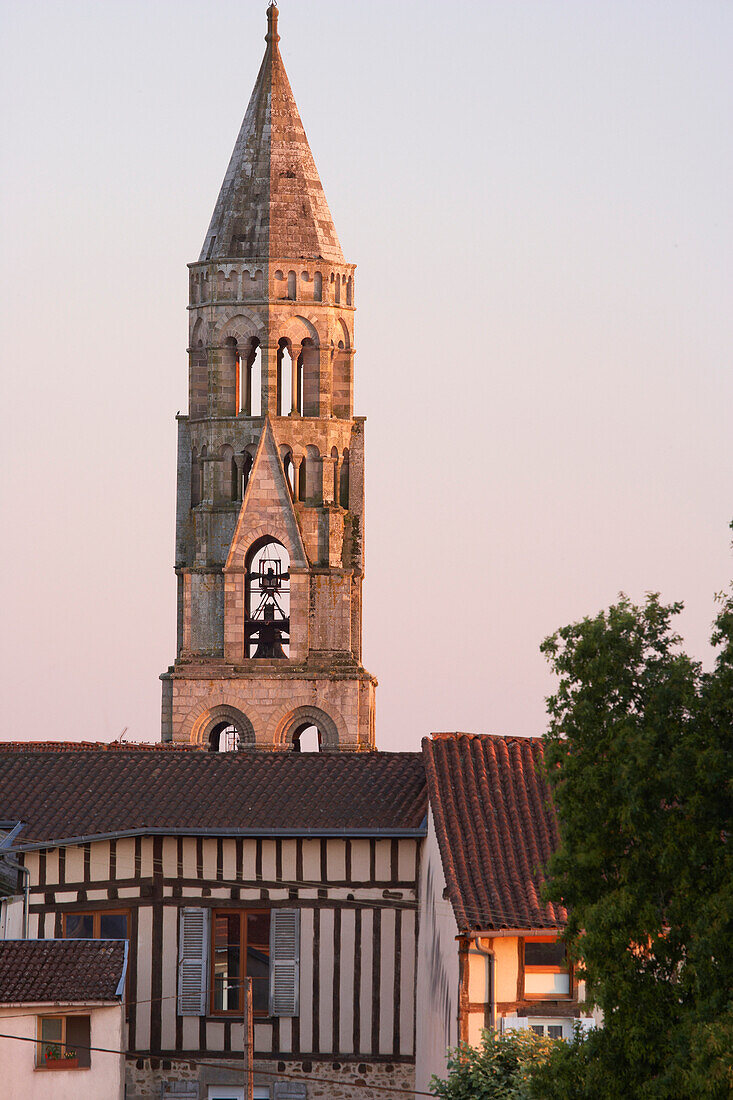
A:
(329, 465)
(239, 461)
(297, 463)
(325, 381)
(269, 379)
(245, 407)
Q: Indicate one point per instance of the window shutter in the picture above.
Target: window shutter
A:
(284, 961)
(193, 962)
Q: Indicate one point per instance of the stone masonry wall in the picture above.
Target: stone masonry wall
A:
(161, 1078)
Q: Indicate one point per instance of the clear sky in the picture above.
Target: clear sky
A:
(538, 198)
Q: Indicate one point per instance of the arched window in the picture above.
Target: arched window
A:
(337, 289)
(341, 381)
(285, 404)
(349, 291)
(246, 471)
(344, 486)
(226, 729)
(195, 478)
(292, 286)
(335, 459)
(267, 600)
(308, 375)
(309, 729)
(228, 473)
(317, 287)
(313, 474)
(288, 466)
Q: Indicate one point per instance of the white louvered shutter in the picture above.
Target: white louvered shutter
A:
(284, 961)
(193, 962)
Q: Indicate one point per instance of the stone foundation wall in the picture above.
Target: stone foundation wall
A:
(351, 1080)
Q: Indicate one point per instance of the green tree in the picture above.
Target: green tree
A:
(499, 1069)
(639, 756)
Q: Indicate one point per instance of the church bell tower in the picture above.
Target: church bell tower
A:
(270, 502)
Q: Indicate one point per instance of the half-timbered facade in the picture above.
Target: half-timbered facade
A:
(283, 867)
(299, 870)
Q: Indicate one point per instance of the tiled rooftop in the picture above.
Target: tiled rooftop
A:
(60, 970)
(62, 790)
(495, 826)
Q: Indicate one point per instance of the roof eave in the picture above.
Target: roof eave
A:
(224, 831)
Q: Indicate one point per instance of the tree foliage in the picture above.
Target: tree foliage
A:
(499, 1069)
(639, 756)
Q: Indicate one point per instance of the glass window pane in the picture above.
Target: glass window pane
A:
(258, 929)
(113, 926)
(554, 1031)
(227, 929)
(79, 926)
(260, 995)
(51, 1029)
(258, 962)
(544, 954)
(537, 1028)
(549, 983)
(78, 1038)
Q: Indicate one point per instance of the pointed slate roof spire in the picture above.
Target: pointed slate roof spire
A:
(271, 202)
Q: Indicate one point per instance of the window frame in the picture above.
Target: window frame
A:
(545, 969)
(96, 915)
(242, 913)
(61, 1063)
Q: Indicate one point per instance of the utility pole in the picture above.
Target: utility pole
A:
(249, 1042)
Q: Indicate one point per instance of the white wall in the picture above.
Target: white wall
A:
(437, 967)
(11, 918)
(22, 1081)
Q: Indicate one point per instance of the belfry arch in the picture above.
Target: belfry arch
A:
(294, 724)
(223, 728)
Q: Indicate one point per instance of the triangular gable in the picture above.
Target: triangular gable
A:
(267, 508)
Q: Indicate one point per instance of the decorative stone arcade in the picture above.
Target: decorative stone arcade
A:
(270, 460)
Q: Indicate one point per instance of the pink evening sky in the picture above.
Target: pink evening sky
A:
(538, 197)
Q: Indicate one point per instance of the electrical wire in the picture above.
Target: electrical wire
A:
(281, 1075)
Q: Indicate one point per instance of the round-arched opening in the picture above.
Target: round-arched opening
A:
(308, 729)
(267, 600)
(307, 738)
(225, 737)
(223, 729)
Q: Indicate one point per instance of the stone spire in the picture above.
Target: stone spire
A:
(272, 203)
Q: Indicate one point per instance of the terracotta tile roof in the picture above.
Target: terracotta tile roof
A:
(495, 827)
(64, 790)
(61, 970)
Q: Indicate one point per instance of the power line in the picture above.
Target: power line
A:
(281, 1075)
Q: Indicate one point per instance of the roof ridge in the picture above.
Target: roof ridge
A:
(98, 746)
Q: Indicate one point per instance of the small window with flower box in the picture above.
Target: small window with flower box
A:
(546, 968)
(63, 1042)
